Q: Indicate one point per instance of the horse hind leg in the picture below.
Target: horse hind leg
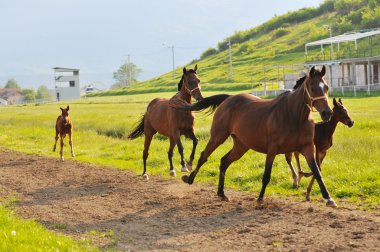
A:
(288, 157)
(237, 151)
(189, 165)
(148, 140)
(212, 144)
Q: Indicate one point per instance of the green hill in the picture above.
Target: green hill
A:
(277, 42)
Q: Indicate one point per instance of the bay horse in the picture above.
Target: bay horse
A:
(63, 126)
(270, 126)
(323, 140)
(162, 118)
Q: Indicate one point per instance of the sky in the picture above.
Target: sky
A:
(97, 35)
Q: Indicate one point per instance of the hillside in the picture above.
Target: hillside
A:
(277, 42)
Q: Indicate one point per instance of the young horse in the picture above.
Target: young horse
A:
(281, 125)
(162, 118)
(323, 140)
(63, 126)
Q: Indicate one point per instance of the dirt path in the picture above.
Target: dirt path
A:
(84, 201)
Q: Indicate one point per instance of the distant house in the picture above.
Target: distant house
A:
(3, 102)
(11, 95)
(66, 83)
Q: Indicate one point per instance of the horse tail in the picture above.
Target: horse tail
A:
(138, 130)
(211, 102)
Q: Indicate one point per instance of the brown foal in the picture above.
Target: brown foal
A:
(63, 126)
(323, 140)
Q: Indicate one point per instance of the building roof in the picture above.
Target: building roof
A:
(351, 36)
(64, 69)
(9, 92)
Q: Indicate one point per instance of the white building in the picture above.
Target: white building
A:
(66, 83)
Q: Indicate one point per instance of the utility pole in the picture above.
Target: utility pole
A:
(172, 48)
(129, 70)
(230, 56)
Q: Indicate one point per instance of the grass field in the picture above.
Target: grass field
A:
(101, 124)
(351, 168)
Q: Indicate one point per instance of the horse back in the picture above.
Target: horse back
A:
(164, 119)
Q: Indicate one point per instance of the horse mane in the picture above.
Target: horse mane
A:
(299, 82)
(181, 81)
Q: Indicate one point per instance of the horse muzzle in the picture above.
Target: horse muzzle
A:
(326, 115)
(350, 124)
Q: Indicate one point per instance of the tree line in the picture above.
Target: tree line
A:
(30, 94)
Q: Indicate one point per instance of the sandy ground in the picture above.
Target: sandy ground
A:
(119, 210)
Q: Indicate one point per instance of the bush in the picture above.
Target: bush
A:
(208, 52)
(280, 32)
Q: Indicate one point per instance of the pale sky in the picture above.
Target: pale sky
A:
(96, 36)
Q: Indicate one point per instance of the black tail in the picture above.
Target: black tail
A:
(211, 102)
(139, 129)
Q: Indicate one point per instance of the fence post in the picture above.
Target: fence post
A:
(355, 91)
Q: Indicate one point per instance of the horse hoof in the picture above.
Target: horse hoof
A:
(224, 198)
(145, 176)
(260, 200)
(331, 203)
(189, 166)
(172, 173)
(62, 159)
(184, 169)
(185, 179)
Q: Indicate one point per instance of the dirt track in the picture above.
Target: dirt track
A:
(79, 199)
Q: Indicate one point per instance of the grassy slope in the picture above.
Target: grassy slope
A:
(350, 168)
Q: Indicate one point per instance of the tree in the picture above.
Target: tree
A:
(12, 83)
(126, 74)
(30, 94)
(43, 93)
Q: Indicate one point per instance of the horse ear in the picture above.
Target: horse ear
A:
(184, 70)
(67, 109)
(312, 71)
(340, 101)
(334, 102)
(323, 72)
(61, 108)
(196, 67)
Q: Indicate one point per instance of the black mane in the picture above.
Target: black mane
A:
(299, 82)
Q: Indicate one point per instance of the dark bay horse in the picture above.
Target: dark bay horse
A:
(162, 118)
(270, 126)
(63, 126)
(323, 140)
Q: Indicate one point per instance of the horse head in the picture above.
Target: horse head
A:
(316, 91)
(341, 113)
(190, 82)
(65, 115)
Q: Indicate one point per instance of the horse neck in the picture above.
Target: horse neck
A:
(297, 105)
(331, 125)
(184, 95)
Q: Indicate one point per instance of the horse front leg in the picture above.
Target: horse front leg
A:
(170, 156)
(308, 152)
(71, 144)
(320, 157)
(56, 138)
(288, 157)
(62, 137)
(189, 164)
(267, 173)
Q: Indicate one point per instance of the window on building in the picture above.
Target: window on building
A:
(72, 83)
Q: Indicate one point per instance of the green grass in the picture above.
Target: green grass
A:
(101, 125)
(28, 235)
